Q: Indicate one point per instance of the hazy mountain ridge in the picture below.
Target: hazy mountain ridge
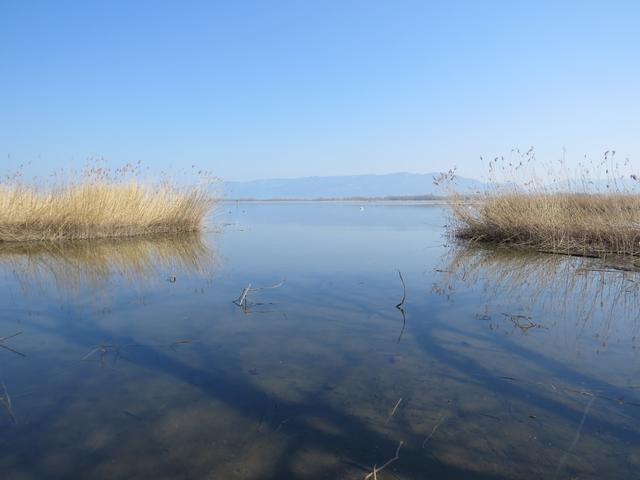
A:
(366, 186)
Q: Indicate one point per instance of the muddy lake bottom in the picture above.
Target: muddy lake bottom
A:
(129, 359)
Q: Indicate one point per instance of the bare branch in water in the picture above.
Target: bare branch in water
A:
(105, 349)
(2, 345)
(523, 322)
(6, 401)
(376, 470)
(575, 438)
(433, 431)
(393, 411)
(10, 336)
(243, 301)
(404, 291)
(277, 285)
(400, 307)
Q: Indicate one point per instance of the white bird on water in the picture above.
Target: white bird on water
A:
(362, 209)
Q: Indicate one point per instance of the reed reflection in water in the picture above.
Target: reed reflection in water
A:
(589, 294)
(175, 381)
(91, 264)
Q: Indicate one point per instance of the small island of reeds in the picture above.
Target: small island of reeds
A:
(576, 215)
(587, 224)
(99, 207)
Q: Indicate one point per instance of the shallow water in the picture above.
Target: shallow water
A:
(133, 362)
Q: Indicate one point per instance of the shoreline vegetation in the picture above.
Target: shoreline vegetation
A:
(388, 198)
(99, 209)
(584, 224)
(578, 218)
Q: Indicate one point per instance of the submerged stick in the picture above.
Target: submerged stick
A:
(576, 437)
(433, 431)
(376, 470)
(243, 302)
(277, 285)
(2, 345)
(6, 401)
(10, 336)
(242, 299)
(393, 411)
(105, 348)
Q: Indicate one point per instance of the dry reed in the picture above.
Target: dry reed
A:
(99, 209)
(592, 211)
(589, 224)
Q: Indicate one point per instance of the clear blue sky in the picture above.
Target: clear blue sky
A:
(284, 89)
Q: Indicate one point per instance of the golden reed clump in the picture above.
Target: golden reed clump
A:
(99, 209)
(572, 223)
(560, 216)
(570, 213)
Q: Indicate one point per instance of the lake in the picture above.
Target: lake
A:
(130, 359)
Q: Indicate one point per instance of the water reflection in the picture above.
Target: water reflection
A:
(522, 291)
(91, 264)
(546, 346)
(331, 377)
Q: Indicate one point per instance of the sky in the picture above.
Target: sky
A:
(270, 89)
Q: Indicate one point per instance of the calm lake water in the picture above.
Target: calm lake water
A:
(132, 361)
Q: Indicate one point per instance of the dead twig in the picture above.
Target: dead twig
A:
(277, 285)
(6, 402)
(355, 463)
(522, 322)
(400, 306)
(4, 339)
(404, 291)
(393, 411)
(433, 431)
(105, 349)
(376, 470)
(243, 300)
(576, 437)
(10, 336)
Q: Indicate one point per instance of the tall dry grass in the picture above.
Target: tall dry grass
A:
(99, 209)
(573, 223)
(576, 215)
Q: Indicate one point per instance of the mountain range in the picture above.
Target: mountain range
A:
(340, 187)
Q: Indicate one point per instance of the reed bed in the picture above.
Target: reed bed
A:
(593, 210)
(99, 209)
(588, 224)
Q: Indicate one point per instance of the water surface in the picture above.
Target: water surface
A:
(132, 361)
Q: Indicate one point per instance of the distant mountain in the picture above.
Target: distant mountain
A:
(369, 186)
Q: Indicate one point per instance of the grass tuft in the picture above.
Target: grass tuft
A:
(559, 215)
(571, 223)
(99, 209)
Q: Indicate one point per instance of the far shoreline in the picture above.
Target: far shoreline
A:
(348, 201)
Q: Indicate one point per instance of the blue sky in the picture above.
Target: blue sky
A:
(285, 89)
